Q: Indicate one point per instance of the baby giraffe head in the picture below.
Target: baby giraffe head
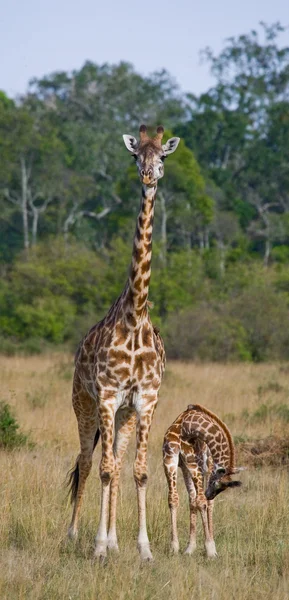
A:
(150, 153)
(220, 480)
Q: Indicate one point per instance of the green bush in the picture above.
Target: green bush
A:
(264, 316)
(205, 334)
(10, 437)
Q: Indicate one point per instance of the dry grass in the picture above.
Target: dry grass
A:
(252, 524)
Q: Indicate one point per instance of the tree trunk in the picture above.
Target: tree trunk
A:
(24, 202)
(222, 249)
(267, 252)
(207, 238)
(35, 226)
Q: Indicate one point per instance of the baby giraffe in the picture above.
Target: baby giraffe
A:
(201, 444)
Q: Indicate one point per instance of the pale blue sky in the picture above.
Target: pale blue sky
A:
(39, 37)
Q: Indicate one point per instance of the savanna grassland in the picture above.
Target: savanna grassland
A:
(251, 523)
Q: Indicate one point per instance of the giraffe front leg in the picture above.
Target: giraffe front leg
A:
(209, 541)
(188, 478)
(211, 550)
(171, 471)
(106, 471)
(124, 424)
(144, 419)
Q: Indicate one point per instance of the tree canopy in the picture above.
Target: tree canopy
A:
(69, 195)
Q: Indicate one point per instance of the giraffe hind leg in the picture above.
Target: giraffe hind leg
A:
(106, 470)
(73, 474)
(86, 413)
(124, 425)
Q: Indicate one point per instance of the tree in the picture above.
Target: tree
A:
(31, 165)
(237, 127)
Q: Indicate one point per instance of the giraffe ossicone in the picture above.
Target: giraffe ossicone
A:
(202, 446)
(119, 366)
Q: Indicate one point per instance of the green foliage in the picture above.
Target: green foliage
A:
(204, 334)
(69, 197)
(10, 437)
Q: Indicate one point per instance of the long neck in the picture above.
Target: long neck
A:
(214, 432)
(140, 271)
(219, 445)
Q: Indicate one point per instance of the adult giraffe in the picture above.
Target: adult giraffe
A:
(119, 366)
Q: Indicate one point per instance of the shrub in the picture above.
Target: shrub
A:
(10, 437)
(264, 316)
(206, 334)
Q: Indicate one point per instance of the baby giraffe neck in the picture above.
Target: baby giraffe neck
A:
(140, 270)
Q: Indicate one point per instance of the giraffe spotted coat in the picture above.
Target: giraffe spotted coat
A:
(201, 445)
(119, 366)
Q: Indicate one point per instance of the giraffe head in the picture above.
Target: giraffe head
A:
(149, 154)
(220, 480)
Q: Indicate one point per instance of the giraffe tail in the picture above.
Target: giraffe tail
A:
(72, 480)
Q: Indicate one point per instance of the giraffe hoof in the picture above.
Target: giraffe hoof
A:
(211, 550)
(145, 553)
(174, 548)
(112, 545)
(190, 550)
(72, 534)
(100, 551)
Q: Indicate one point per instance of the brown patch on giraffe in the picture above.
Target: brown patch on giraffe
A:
(111, 375)
(137, 343)
(120, 355)
(102, 355)
(150, 358)
(131, 319)
(137, 254)
(120, 334)
(107, 339)
(146, 282)
(139, 367)
(145, 266)
(129, 344)
(146, 336)
(213, 429)
(141, 300)
(123, 373)
(133, 273)
(137, 284)
(102, 380)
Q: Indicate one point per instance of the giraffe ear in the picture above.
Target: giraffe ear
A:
(220, 472)
(171, 145)
(236, 470)
(130, 142)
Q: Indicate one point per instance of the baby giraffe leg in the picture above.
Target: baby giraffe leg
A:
(201, 504)
(206, 514)
(171, 471)
(211, 549)
(193, 509)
